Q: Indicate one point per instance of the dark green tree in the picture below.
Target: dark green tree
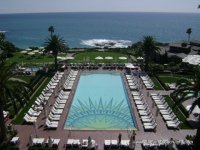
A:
(187, 89)
(12, 90)
(6, 47)
(54, 44)
(149, 49)
(51, 30)
(189, 31)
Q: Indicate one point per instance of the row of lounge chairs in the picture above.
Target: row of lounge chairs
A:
(166, 144)
(132, 82)
(57, 109)
(163, 144)
(147, 82)
(146, 116)
(113, 144)
(76, 143)
(50, 142)
(184, 144)
(70, 80)
(165, 111)
(36, 109)
(58, 106)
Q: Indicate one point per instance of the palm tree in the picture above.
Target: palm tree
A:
(11, 90)
(2, 39)
(187, 89)
(51, 30)
(2, 48)
(54, 44)
(197, 137)
(2, 36)
(149, 49)
(189, 31)
(6, 47)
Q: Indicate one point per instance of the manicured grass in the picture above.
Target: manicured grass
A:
(25, 78)
(157, 86)
(20, 58)
(168, 78)
(62, 54)
(179, 114)
(90, 57)
(19, 119)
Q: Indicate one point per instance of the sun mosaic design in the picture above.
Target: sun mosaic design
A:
(100, 116)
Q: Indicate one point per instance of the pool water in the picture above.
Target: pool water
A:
(100, 103)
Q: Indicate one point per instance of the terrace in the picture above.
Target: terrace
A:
(39, 129)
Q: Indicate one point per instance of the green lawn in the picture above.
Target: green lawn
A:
(90, 57)
(19, 119)
(20, 58)
(179, 114)
(28, 59)
(157, 84)
(25, 78)
(167, 78)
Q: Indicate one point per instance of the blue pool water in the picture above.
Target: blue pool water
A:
(100, 103)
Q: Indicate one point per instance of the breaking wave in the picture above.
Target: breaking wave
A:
(102, 43)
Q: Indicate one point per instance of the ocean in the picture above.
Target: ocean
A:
(87, 29)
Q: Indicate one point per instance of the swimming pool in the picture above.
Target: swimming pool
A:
(100, 103)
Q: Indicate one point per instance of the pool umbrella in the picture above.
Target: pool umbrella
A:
(50, 142)
(28, 49)
(140, 58)
(130, 66)
(157, 111)
(45, 111)
(35, 127)
(89, 143)
(30, 142)
(69, 58)
(31, 53)
(119, 138)
(35, 51)
(122, 58)
(132, 142)
(108, 57)
(99, 58)
(23, 52)
(153, 104)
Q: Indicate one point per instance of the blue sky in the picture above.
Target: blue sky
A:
(29, 6)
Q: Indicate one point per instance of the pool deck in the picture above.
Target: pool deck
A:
(162, 132)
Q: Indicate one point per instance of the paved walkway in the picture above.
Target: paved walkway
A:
(162, 132)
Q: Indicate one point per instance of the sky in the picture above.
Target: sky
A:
(36, 6)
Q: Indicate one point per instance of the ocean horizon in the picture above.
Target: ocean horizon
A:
(85, 29)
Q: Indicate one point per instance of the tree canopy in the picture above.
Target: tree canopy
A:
(55, 44)
(12, 90)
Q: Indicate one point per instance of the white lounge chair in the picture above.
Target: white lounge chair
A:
(59, 101)
(54, 117)
(59, 106)
(173, 125)
(150, 127)
(30, 119)
(34, 113)
(56, 111)
(51, 124)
